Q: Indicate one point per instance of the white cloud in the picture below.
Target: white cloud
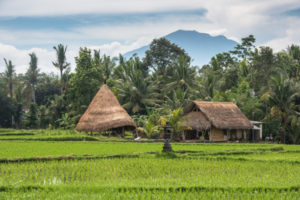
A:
(291, 36)
(264, 19)
(132, 31)
(20, 58)
(234, 19)
(21, 37)
(125, 32)
(12, 8)
(115, 48)
(217, 8)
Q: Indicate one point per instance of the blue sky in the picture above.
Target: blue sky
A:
(72, 24)
(119, 26)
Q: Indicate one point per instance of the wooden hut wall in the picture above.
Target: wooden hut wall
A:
(239, 134)
(216, 135)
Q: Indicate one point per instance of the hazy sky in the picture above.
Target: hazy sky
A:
(118, 26)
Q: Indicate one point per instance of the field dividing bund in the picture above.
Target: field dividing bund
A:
(28, 149)
(96, 193)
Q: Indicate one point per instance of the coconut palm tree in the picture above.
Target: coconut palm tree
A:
(61, 62)
(108, 66)
(179, 98)
(135, 89)
(208, 86)
(183, 76)
(294, 52)
(19, 96)
(32, 75)
(281, 97)
(9, 76)
(294, 130)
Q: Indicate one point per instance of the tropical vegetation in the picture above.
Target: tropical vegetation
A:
(263, 83)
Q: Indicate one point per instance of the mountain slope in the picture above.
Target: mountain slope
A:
(200, 46)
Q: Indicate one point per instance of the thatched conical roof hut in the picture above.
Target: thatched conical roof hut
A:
(105, 113)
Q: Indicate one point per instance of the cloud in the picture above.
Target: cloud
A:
(290, 36)
(269, 21)
(14, 8)
(235, 19)
(149, 28)
(116, 48)
(20, 58)
(107, 30)
(29, 38)
(240, 18)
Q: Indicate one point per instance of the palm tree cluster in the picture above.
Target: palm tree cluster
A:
(153, 89)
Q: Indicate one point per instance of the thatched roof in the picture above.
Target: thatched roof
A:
(105, 113)
(222, 115)
(197, 121)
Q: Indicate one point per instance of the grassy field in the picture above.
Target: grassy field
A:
(117, 168)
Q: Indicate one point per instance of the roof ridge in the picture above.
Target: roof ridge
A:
(221, 102)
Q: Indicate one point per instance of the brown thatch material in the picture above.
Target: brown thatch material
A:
(105, 113)
(222, 115)
(197, 121)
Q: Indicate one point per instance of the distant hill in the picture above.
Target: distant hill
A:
(200, 46)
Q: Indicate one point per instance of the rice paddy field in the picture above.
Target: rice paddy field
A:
(119, 168)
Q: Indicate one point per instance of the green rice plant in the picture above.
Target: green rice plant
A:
(44, 150)
(131, 170)
(152, 172)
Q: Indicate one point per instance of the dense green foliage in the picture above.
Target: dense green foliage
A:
(264, 84)
(6, 110)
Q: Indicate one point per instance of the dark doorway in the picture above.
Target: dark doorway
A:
(252, 135)
(206, 135)
(233, 135)
(191, 135)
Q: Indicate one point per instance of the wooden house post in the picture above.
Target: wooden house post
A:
(123, 132)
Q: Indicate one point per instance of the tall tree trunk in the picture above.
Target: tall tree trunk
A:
(11, 96)
(61, 82)
(12, 120)
(11, 89)
(283, 133)
(33, 94)
(282, 137)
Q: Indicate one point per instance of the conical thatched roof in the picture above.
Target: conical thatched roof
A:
(105, 113)
(222, 115)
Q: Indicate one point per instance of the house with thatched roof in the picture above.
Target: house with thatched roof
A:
(215, 121)
(105, 114)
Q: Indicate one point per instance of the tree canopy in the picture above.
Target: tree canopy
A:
(263, 83)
